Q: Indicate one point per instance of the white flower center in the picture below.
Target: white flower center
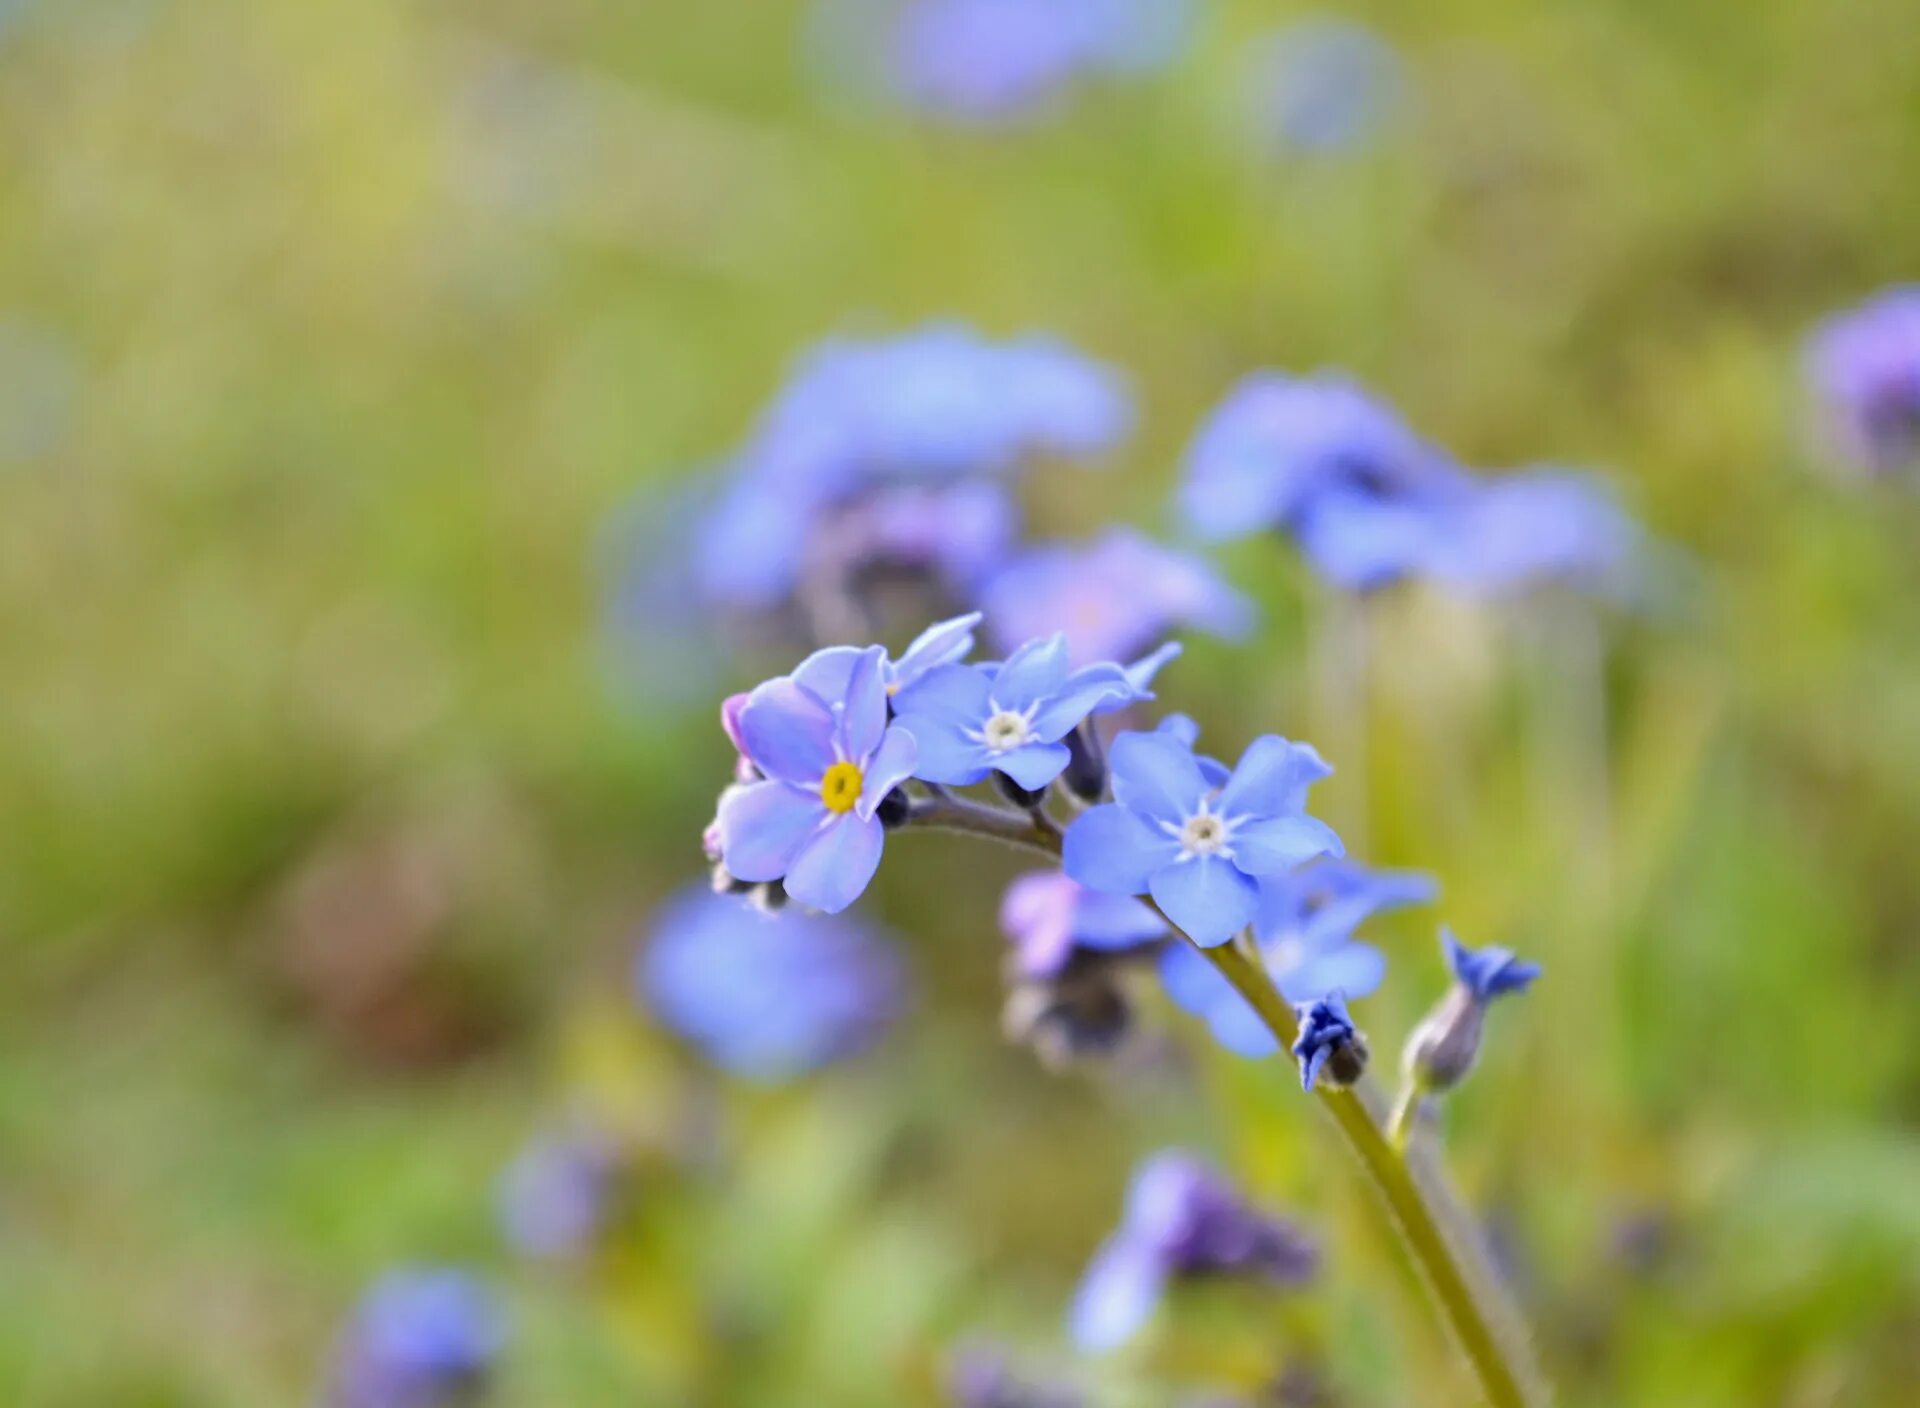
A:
(1205, 833)
(1006, 730)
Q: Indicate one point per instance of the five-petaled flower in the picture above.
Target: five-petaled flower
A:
(973, 720)
(821, 739)
(1198, 848)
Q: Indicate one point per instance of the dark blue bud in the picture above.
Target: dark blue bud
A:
(1444, 1047)
(1086, 774)
(1487, 972)
(1330, 1047)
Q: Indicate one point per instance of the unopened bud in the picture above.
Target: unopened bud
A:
(1444, 1047)
(1330, 1047)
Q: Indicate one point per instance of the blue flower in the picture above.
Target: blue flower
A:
(554, 1196)
(1864, 366)
(1539, 527)
(1182, 1221)
(820, 737)
(1113, 597)
(1326, 85)
(1197, 849)
(1304, 929)
(1328, 1037)
(422, 1337)
(1047, 917)
(1487, 972)
(969, 721)
(768, 996)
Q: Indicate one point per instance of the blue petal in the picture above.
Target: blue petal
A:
(1353, 969)
(1033, 672)
(1084, 692)
(1310, 1067)
(944, 753)
(1033, 765)
(1155, 775)
(954, 694)
(940, 644)
(1113, 921)
(1209, 899)
(1115, 851)
(1236, 1026)
(864, 718)
(1272, 778)
(832, 872)
(788, 731)
(828, 672)
(1282, 842)
(764, 826)
(1194, 984)
(891, 764)
(1116, 1297)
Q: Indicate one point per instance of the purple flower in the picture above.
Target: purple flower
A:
(768, 996)
(1198, 849)
(1181, 1221)
(1304, 928)
(1534, 528)
(952, 535)
(1113, 597)
(1329, 1044)
(980, 1377)
(1864, 366)
(820, 737)
(1325, 85)
(554, 1196)
(1487, 972)
(968, 721)
(1047, 917)
(422, 1337)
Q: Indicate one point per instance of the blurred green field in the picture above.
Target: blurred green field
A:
(338, 334)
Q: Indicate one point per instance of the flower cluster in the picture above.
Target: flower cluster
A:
(1864, 366)
(1370, 503)
(421, 1337)
(1182, 1221)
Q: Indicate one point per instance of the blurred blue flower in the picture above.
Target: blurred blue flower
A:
(1325, 85)
(1182, 1220)
(1113, 597)
(1198, 849)
(1536, 528)
(422, 1337)
(1048, 917)
(1327, 1036)
(968, 721)
(1487, 972)
(1864, 366)
(990, 62)
(820, 737)
(768, 996)
(554, 1196)
(1304, 929)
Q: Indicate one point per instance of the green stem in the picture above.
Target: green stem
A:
(1437, 1231)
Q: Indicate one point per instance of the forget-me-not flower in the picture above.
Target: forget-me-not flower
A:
(969, 721)
(1198, 849)
(768, 996)
(554, 1197)
(1443, 1048)
(1304, 929)
(1536, 528)
(1047, 917)
(422, 1337)
(1113, 597)
(1182, 1220)
(1329, 1044)
(1864, 366)
(828, 756)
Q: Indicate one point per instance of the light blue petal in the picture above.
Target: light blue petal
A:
(1156, 776)
(1282, 842)
(832, 872)
(891, 764)
(1353, 969)
(1113, 921)
(1032, 673)
(764, 826)
(953, 694)
(1085, 692)
(940, 644)
(828, 672)
(788, 731)
(1209, 899)
(1111, 849)
(943, 753)
(1272, 778)
(1141, 672)
(1033, 765)
(1236, 1026)
(1194, 984)
(864, 718)
(1116, 1297)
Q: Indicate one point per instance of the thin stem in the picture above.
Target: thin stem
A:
(1438, 1232)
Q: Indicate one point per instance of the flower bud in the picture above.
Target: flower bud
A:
(1330, 1047)
(1086, 772)
(1444, 1047)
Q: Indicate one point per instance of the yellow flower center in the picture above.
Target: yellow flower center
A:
(840, 788)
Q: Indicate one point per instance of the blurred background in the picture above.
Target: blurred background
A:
(358, 360)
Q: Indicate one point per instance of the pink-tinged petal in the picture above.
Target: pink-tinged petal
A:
(835, 869)
(764, 826)
(891, 764)
(787, 731)
(730, 719)
(1155, 775)
(1206, 897)
(1034, 671)
(864, 718)
(1033, 765)
(1272, 778)
(1116, 851)
(1282, 842)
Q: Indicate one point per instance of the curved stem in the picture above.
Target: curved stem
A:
(1437, 1230)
